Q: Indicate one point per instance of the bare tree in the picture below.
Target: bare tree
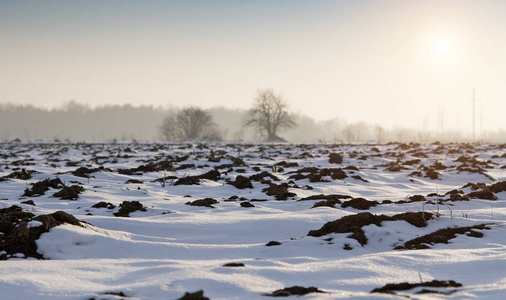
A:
(188, 124)
(269, 114)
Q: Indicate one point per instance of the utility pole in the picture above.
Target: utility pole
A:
(441, 120)
(474, 119)
(482, 133)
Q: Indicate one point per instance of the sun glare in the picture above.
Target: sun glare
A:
(443, 46)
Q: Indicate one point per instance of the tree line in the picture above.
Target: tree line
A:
(268, 119)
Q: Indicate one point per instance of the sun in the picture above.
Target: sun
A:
(443, 46)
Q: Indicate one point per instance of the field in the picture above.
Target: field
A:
(252, 221)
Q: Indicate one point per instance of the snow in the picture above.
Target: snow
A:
(173, 248)
(34, 224)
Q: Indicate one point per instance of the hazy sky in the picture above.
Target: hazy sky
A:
(389, 62)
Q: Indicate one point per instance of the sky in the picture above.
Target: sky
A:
(394, 63)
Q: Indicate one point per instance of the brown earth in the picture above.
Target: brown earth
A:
(391, 287)
(294, 291)
(18, 237)
(442, 236)
(353, 224)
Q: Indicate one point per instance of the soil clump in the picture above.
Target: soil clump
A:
(127, 207)
(207, 202)
(442, 236)
(273, 243)
(241, 182)
(359, 203)
(233, 265)
(19, 232)
(83, 171)
(40, 187)
(417, 198)
(247, 204)
(391, 287)
(104, 204)
(353, 224)
(188, 180)
(335, 158)
(333, 197)
(211, 175)
(316, 174)
(261, 177)
(198, 295)
(195, 180)
(69, 192)
(136, 181)
(394, 167)
(294, 291)
(280, 192)
(23, 175)
(150, 167)
(329, 203)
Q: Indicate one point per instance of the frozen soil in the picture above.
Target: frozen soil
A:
(252, 221)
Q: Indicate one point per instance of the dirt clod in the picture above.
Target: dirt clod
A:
(280, 192)
(40, 187)
(261, 177)
(247, 204)
(442, 236)
(391, 287)
(83, 172)
(316, 174)
(328, 203)
(359, 203)
(334, 197)
(483, 194)
(233, 265)
(198, 295)
(417, 198)
(19, 237)
(134, 181)
(104, 204)
(273, 243)
(207, 202)
(294, 291)
(353, 224)
(241, 182)
(150, 167)
(69, 192)
(335, 158)
(127, 207)
(189, 180)
(23, 175)
(211, 175)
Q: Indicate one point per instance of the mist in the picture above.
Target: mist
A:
(75, 121)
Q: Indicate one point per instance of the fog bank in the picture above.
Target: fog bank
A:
(79, 122)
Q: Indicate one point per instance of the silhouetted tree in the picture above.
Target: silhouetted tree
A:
(269, 114)
(188, 124)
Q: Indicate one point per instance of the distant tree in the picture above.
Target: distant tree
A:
(189, 124)
(269, 114)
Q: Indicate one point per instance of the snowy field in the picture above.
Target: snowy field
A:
(156, 221)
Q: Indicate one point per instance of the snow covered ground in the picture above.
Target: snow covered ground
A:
(163, 247)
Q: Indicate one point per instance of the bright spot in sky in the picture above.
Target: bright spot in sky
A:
(443, 46)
